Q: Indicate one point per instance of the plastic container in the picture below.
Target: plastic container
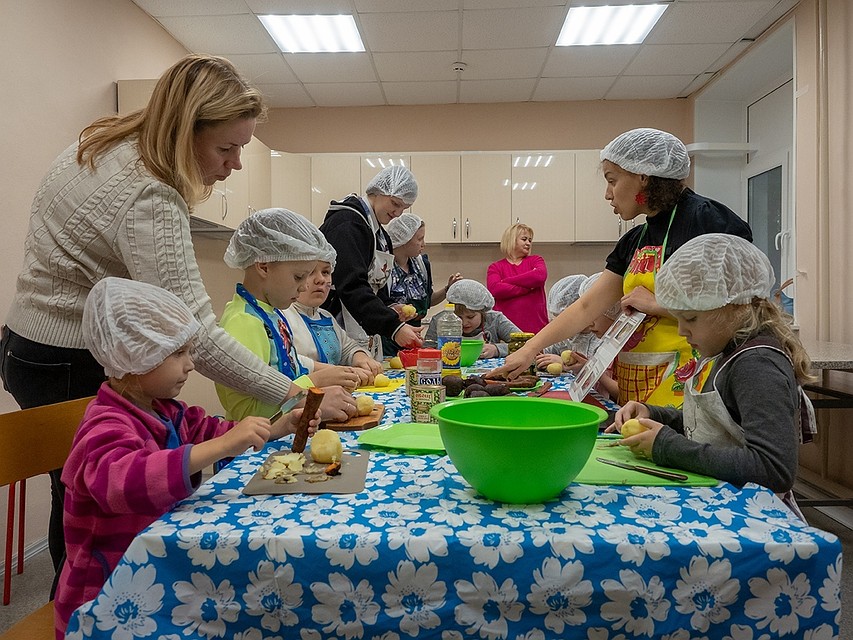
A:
(471, 350)
(429, 367)
(449, 331)
(518, 450)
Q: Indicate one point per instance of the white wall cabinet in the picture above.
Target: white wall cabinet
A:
(333, 177)
(290, 182)
(257, 166)
(486, 196)
(543, 194)
(594, 217)
(439, 200)
(373, 163)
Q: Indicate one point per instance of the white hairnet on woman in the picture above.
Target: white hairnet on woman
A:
(649, 152)
(403, 228)
(276, 235)
(613, 312)
(471, 294)
(712, 271)
(132, 327)
(395, 181)
(564, 292)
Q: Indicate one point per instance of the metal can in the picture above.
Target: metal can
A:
(424, 398)
(411, 379)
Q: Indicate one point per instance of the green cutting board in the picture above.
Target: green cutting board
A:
(595, 472)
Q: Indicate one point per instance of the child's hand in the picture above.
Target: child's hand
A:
(363, 360)
(252, 432)
(456, 277)
(631, 409)
(408, 336)
(641, 445)
(544, 359)
(405, 312)
(365, 377)
(578, 361)
(489, 350)
(288, 422)
(329, 375)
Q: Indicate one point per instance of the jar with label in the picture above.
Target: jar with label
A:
(424, 398)
(429, 367)
(517, 339)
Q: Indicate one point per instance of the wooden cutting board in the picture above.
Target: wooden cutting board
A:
(359, 423)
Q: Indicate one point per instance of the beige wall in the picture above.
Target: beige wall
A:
(60, 60)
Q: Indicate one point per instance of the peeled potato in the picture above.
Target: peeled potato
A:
(554, 368)
(567, 356)
(632, 427)
(364, 405)
(409, 310)
(381, 380)
(326, 446)
(395, 363)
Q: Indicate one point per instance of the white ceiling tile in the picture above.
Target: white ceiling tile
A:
(564, 89)
(512, 4)
(594, 60)
(474, 91)
(420, 92)
(263, 68)
(352, 94)
(298, 7)
(503, 63)
(191, 7)
(327, 67)
(648, 87)
(285, 96)
(674, 59)
(234, 34)
(390, 6)
(511, 28)
(699, 22)
(411, 31)
(423, 65)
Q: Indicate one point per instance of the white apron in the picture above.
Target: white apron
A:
(707, 420)
(377, 276)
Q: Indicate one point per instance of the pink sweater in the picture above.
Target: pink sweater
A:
(519, 291)
(119, 479)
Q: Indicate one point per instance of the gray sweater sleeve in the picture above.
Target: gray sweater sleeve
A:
(760, 392)
(499, 328)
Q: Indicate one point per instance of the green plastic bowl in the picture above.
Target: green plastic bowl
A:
(471, 349)
(518, 449)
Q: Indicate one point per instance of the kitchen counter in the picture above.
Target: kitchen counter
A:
(837, 356)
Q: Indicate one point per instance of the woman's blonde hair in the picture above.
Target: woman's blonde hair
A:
(762, 315)
(510, 237)
(197, 92)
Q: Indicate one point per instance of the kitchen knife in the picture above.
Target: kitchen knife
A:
(289, 404)
(660, 473)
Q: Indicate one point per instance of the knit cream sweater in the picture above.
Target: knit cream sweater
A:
(120, 221)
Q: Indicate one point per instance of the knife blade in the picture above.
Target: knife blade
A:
(660, 473)
(289, 404)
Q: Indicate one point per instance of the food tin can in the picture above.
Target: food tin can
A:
(424, 398)
(411, 379)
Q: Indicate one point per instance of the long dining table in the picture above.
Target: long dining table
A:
(419, 554)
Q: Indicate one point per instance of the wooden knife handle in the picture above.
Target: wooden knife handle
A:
(312, 403)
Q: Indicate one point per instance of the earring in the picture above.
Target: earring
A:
(640, 198)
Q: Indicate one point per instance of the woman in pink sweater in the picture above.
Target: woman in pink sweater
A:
(138, 451)
(518, 281)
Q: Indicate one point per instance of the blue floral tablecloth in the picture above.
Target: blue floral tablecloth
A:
(418, 554)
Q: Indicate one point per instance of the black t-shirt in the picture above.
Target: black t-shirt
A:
(695, 215)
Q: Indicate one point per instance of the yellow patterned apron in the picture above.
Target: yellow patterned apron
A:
(655, 364)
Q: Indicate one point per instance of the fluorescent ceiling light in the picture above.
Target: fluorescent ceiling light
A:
(628, 24)
(313, 34)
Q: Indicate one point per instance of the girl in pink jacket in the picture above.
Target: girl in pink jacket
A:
(138, 451)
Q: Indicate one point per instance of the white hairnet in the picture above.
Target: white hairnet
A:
(277, 235)
(613, 312)
(396, 181)
(649, 152)
(564, 292)
(403, 228)
(471, 294)
(711, 271)
(132, 327)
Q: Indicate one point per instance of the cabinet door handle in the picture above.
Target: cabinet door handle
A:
(467, 228)
(517, 220)
(454, 228)
(224, 205)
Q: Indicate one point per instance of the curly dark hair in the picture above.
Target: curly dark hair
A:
(662, 193)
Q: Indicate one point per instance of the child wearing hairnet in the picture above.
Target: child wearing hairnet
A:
(317, 334)
(410, 285)
(473, 304)
(277, 249)
(563, 293)
(745, 421)
(138, 450)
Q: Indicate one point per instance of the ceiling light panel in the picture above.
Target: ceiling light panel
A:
(314, 34)
(628, 24)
